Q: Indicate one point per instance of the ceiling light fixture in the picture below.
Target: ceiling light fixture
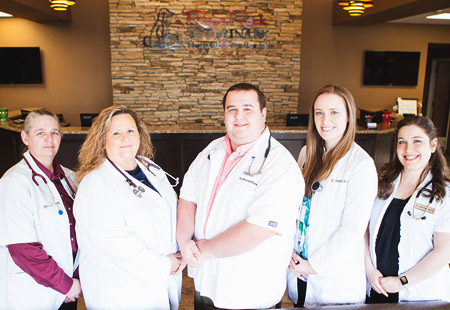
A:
(439, 16)
(3, 14)
(61, 5)
(355, 7)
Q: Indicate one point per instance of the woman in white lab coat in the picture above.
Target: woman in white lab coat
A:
(408, 240)
(37, 242)
(126, 218)
(327, 265)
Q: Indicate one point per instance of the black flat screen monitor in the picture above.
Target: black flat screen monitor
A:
(391, 68)
(20, 65)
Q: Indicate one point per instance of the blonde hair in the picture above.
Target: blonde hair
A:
(317, 166)
(93, 152)
(29, 120)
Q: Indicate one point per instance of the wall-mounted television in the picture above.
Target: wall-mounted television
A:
(20, 65)
(391, 68)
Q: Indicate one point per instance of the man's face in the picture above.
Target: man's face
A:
(243, 117)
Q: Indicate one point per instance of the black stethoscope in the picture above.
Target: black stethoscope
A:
(316, 186)
(420, 192)
(266, 154)
(36, 175)
(138, 189)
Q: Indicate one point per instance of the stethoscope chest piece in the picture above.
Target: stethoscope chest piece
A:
(316, 186)
(138, 190)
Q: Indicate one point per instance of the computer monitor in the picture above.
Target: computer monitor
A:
(87, 118)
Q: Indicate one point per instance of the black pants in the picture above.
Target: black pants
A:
(301, 290)
(205, 303)
(69, 306)
(376, 298)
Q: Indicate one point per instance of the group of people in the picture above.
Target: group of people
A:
(249, 218)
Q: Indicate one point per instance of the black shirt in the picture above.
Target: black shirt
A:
(139, 175)
(386, 247)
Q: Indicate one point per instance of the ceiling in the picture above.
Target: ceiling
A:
(421, 19)
(398, 11)
(35, 10)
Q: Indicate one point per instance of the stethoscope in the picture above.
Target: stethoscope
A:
(36, 175)
(138, 189)
(316, 186)
(266, 153)
(420, 192)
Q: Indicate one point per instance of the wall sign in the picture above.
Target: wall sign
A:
(194, 29)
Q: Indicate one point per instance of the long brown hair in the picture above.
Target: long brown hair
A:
(93, 152)
(318, 167)
(437, 164)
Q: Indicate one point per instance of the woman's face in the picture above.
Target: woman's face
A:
(122, 141)
(330, 118)
(43, 138)
(414, 148)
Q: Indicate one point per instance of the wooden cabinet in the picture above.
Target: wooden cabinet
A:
(174, 152)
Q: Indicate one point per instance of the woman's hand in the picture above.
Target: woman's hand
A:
(181, 265)
(74, 292)
(391, 284)
(374, 276)
(176, 261)
(300, 267)
(191, 254)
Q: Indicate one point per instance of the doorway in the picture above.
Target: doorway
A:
(436, 96)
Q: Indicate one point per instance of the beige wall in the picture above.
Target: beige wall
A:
(334, 54)
(75, 61)
(77, 74)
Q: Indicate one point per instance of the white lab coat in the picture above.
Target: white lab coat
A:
(124, 241)
(337, 222)
(416, 241)
(255, 279)
(24, 219)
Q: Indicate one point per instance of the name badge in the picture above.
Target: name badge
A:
(424, 208)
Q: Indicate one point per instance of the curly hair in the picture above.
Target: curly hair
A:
(437, 164)
(93, 152)
(318, 168)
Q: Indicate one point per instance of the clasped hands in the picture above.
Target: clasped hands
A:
(383, 285)
(300, 267)
(194, 253)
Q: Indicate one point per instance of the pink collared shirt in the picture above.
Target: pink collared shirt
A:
(229, 162)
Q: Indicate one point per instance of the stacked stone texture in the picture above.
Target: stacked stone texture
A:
(185, 86)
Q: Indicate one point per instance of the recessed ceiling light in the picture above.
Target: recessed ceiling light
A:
(439, 16)
(2, 14)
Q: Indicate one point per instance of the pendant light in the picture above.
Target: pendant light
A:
(61, 5)
(355, 7)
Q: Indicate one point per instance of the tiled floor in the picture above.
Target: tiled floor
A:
(187, 296)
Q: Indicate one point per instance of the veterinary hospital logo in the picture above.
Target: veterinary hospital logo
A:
(196, 30)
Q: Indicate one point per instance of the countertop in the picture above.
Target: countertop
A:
(381, 129)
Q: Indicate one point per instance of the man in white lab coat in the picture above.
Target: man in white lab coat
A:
(237, 210)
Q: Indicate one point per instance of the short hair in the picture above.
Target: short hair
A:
(34, 114)
(246, 87)
(93, 151)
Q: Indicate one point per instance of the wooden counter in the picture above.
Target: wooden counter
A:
(177, 146)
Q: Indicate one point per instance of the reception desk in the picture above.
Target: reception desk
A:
(177, 146)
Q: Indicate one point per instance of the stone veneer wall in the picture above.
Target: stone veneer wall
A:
(185, 86)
